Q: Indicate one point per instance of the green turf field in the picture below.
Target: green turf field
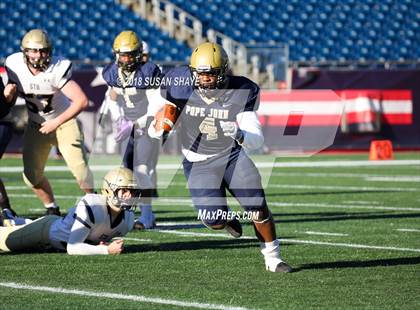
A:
(350, 229)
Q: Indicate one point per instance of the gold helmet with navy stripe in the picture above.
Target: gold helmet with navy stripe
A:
(127, 48)
(212, 59)
(37, 41)
(116, 179)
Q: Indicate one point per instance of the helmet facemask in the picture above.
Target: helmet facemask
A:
(117, 199)
(37, 49)
(133, 61)
(199, 74)
(42, 62)
(120, 189)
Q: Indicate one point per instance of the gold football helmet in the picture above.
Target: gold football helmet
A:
(128, 50)
(116, 179)
(212, 59)
(36, 40)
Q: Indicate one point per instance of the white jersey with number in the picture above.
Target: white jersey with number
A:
(42, 92)
(87, 224)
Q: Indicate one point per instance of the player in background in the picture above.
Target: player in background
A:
(146, 52)
(87, 229)
(7, 99)
(217, 119)
(53, 101)
(133, 98)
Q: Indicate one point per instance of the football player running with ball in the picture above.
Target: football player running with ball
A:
(87, 229)
(53, 101)
(216, 113)
(133, 98)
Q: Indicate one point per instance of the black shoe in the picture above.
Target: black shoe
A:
(234, 228)
(7, 217)
(9, 211)
(53, 211)
(283, 267)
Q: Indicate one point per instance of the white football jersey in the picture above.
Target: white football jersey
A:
(94, 214)
(41, 92)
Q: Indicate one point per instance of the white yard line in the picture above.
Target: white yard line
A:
(347, 245)
(137, 298)
(33, 196)
(411, 179)
(366, 176)
(135, 239)
(325, 233)
(334, 206)
(408, 230)
(187, 202)
(344, 187)
(13, 188)
(164, 224)
(197, 234)
(259, 164)
(352, 245)
(360, 202)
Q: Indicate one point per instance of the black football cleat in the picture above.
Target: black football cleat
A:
(53, 211)
(7, 217)
(9, 211)
(234, 228)
(283, 267)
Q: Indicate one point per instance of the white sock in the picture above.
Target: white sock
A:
(51, 205)
(271, 252)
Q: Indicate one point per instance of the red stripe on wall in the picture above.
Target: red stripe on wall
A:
(361, 117)
(330, 120)
(299, 95)
(398, 119)
(329, 95)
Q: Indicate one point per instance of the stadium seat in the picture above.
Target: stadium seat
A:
(333, 21)
(90, 26)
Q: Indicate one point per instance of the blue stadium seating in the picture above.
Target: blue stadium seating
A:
(315, 30)
(82, 29)
(318, 30)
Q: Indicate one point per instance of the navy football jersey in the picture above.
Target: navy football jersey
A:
(131, 89)
(202, 111)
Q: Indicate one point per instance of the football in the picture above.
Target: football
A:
(166, 118)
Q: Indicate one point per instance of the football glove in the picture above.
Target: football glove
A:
(123, 128)
(231, 129)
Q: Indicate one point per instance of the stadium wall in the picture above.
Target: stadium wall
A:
(398, 93)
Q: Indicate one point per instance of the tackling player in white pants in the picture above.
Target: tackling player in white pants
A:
(88, 228)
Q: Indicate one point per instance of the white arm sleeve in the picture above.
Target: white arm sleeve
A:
(156, 101)
(79, 232)
(251, 127)
(112, 106)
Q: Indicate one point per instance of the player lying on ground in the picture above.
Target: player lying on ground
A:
(87, 229)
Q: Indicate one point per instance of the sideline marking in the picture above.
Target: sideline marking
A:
(138, 298)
